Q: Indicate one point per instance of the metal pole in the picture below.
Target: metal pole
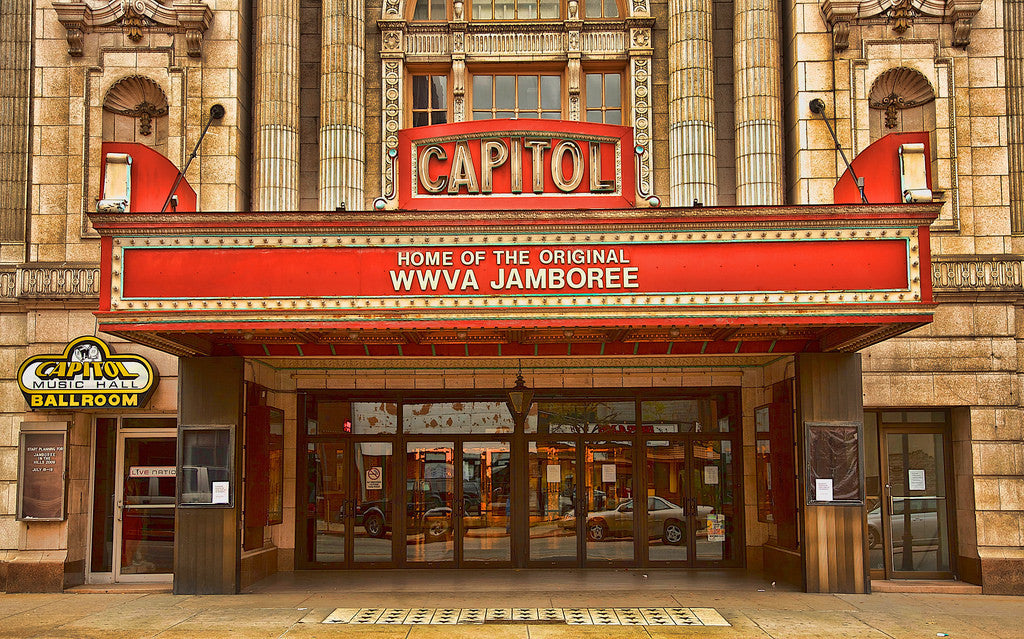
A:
(817, 106)
(216, 113)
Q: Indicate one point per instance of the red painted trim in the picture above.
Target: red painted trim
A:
(115, 322)
(925, 249)
(672, 269)
(879, 165)
(685, 218)
(153, 176)
(106, 258)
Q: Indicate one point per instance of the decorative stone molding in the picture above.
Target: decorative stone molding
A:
(898, 89)
(998, 274)
(132, 17)
(59, 281)
(962, 12)
(459, 42)
(137, 97)
(839, 15)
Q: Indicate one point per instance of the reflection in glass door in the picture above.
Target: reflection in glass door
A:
(144, 522)
(669, 504)
(717, 518)
(430, 498)
(552, 502)
(486, 523)
(914, 518)
(328, 501)
(373, 508)
(610, 525)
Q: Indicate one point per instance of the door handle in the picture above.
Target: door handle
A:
(118, 508)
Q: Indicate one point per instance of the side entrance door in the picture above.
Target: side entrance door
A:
(144, 505)
(913, 516)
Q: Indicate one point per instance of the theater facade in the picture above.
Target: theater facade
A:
(332, 285)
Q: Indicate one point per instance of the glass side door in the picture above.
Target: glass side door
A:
(670, 508)
(430, 498)
(717, 517)
(914, 515)
(610, 524)
(372, 503)
(554, 530)
(484, 519)
(144, 509)
(328, 518)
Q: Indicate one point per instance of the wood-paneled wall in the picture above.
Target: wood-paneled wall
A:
(207, 546)
(834, 536)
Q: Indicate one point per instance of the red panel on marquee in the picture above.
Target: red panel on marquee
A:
(521, 141)
(813, 265)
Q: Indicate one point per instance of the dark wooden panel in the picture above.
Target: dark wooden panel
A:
(207, 545)
(835, 536)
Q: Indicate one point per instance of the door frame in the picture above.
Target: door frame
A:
(580, 441)
(885, 503)
(120, 507)
(456, 527)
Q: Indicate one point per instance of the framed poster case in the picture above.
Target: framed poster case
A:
(42, 471)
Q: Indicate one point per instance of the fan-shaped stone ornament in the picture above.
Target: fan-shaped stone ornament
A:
(137, 97)
(899, 89)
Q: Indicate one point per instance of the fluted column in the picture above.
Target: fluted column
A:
(276, 86)
(758, 86)
(1014, 42)
(342, 105)
(691, 106)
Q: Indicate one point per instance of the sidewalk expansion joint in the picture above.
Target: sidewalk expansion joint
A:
(570, 616)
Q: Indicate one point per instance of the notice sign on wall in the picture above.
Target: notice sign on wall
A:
(86, 375)
(41, 482)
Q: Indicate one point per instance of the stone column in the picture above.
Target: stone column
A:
(1014, 42)
(342, 105)
(691, 107)
(758, 86)
(276, 170)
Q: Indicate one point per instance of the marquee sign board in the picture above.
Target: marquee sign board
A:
(516, 164)
(86, 375)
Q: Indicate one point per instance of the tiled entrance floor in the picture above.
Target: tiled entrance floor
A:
(570, 616)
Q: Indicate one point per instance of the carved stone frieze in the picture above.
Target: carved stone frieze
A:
(978, 275)
(900, 15)
(392, 94)
(58, 281)
(133, 17)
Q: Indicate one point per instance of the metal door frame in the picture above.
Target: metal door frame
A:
(885, 505)
(120, 507)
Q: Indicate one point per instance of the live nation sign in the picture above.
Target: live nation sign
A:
(494, 164)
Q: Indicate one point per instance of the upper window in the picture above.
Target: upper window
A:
(601, 9)
(515, 9)
(429, 99)
(604, 98)
(517, 96)
(430, 10)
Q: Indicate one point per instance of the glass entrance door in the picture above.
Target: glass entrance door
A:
(458, 502)
(691, 513)
(350, 505)
(144, 508)
(913, 515)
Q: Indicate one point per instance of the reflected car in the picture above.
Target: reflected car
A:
(924, 521)
(664, 519)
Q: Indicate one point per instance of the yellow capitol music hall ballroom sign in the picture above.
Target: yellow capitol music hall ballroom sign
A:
(86, 375)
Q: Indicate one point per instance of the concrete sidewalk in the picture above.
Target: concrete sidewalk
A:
(295, 605)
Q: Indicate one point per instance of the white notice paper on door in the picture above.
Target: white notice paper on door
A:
(554, 474)
(220, 492)
(608, 473)
(916, 479)
(710, 475)
(823, 490)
